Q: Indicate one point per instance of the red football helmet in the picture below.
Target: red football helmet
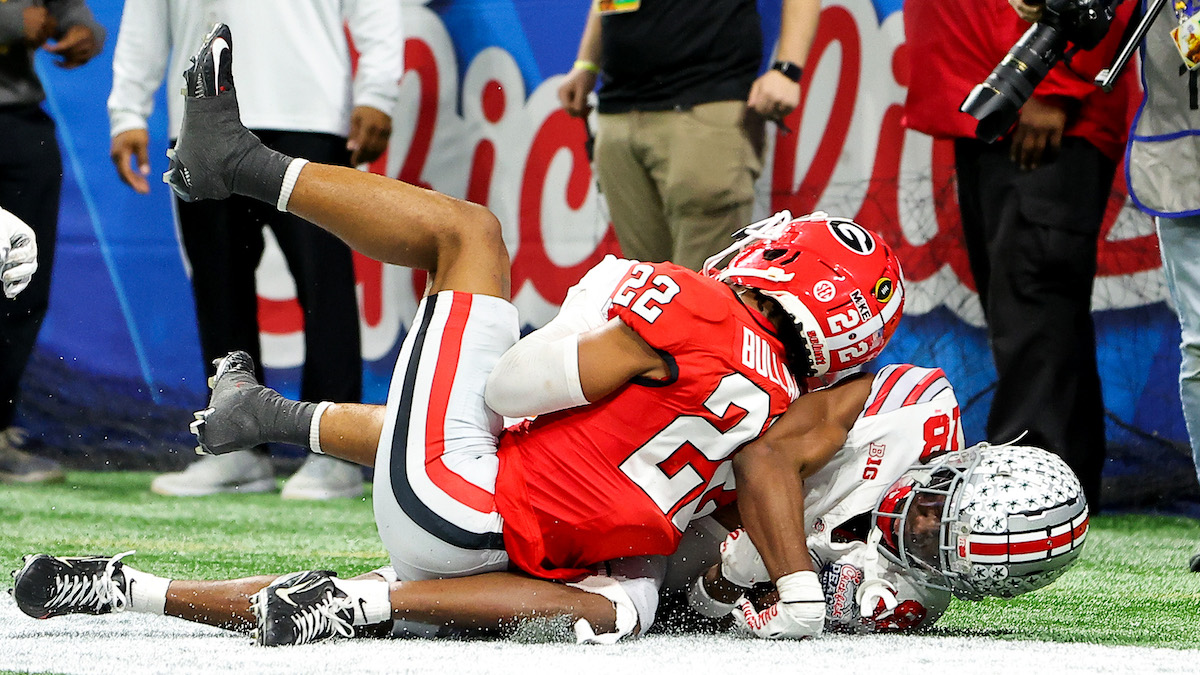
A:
(839, 281)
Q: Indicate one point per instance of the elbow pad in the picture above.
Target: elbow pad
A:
(536, 376)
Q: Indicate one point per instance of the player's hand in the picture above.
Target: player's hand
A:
(75, 47)
(18, 254)
(40, 25)
(800, 612)
(774, 96)
(130, 153)
(1028, 11)
(574, 90)
(1039, 132)
(741, 564)
(370, 130)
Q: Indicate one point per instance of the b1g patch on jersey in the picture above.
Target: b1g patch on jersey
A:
(852, 235)
(841, 582)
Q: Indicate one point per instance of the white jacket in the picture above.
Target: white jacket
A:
(291, 60)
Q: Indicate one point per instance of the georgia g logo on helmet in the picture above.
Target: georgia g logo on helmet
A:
(852, 236)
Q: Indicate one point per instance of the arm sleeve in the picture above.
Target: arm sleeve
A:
(377, 30)
(139, 63)
(540, 374)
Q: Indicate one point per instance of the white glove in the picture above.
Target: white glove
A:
(741, 564)
(18, 254)
(800, 612)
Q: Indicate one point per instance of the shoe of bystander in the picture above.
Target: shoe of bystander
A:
(241, 471)
(18, 466)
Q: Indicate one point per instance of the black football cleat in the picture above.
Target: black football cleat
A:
(300, 608)
(212, 140)
(211, 72)
(48, 586)
(231, 421)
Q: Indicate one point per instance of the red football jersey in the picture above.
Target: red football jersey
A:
(623, 476)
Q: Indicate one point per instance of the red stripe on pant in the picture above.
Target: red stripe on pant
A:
(449, 350)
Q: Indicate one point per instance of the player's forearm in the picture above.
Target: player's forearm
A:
(497, 600)
(771, 502)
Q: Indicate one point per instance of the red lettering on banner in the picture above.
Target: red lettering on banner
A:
(558, 132)
(419, 58)
(880, 211)
(838, 25)
(800, 189)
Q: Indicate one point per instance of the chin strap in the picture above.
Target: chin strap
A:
(873, 589)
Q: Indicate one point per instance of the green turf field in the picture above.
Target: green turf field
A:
(1131, 586)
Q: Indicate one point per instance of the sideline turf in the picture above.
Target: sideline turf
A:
(1131, 586)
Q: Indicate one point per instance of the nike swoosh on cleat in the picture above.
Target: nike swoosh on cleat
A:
(219, 45)
(285, 594)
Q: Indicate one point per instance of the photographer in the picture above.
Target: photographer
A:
(1163, 171)
(1032, 205)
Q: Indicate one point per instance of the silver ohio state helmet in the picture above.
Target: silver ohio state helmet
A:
(987, 521)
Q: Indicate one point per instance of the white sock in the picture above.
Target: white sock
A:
(314, 428)
(147, 593)
(372, 602)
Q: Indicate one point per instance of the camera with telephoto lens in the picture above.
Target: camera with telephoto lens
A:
(996, 100)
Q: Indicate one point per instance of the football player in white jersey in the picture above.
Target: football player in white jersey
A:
(902, 518)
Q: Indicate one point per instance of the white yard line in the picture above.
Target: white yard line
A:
(134, 644)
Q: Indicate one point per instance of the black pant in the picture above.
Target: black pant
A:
(30, 182)
(1031, 241)
(223, 241)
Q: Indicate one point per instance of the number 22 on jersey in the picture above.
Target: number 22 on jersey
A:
(645, 302)
(679, 465)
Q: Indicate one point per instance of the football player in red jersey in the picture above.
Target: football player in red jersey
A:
(650, 390)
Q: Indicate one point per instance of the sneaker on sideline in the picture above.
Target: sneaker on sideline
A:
(241, 471)
(323, 477)
(18, 466)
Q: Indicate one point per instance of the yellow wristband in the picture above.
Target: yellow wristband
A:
(588, 66)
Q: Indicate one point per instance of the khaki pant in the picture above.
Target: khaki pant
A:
(678, 182)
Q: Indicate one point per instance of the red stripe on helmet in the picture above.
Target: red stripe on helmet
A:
(888, 505)
(1041, 545)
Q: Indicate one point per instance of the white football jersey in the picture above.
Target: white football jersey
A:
(910, 416)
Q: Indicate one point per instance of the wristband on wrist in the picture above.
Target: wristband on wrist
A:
(790, 70)
(589, 66)
(800, 587)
